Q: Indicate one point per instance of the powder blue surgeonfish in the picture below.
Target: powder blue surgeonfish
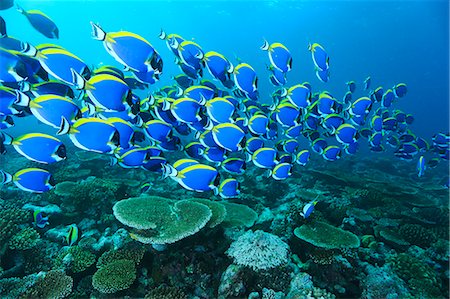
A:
(228, 188)
(158, 130)
(11, 101)
(218, 66)
(331, 153)
(39, 220)
(50, 109)
(400, 90)
(299, 95)
(133, 157)
(125, 129)
(245, 78)
(234, 165)
(346, 134)
(33, 180)
(308, 209)
(91, 134)
(106, 91)
(191, 54)
(228, 136)
(38, 147)
(186, 110)
(198, 177)
(302, 157)
(281, 171)
(172, 41)
(279, 56)
(41, 22)
(220, 110)
(12, 68)
(59, 62)
(129, 49)
(320, 57)
(323, 75)
(265, 157)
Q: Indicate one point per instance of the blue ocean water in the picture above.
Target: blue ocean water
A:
(391, 41)
(368, 225)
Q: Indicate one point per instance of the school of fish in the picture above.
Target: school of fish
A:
(221, 125)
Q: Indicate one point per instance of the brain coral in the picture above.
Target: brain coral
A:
(259, 250)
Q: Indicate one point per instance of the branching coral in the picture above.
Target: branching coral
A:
(55, 284)
(76, 259)
(115, 276)
(25, 239)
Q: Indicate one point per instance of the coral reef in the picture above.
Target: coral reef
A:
(25, 239)
(321, 234)
(259, 250)
(160, 221)
(54, 284)
(115, 276)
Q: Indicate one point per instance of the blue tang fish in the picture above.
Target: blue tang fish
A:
(127, 48)
(107, 92)
(308, 209)
(92, 134)
(320, 57)
(234, 165)
(245, 78)
(50, 109)
(281, 171)
(38, 147)
(39, 220)
(228, 136)
(228, 188)
(299, 95)
(41, 22)
(279, 56)
(33, 180)
(198, 177)
(331, 153)
(265, 157)
(302, 157)
(220, 110)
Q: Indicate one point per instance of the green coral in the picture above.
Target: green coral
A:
(321, 234)
(158, 220)
(91, 190)
(219, 212)
(166, 292)
(135, 254)
(115, 276)
(417, 234)
(25, 239)
(78, 259)
(10, 221)
(420, 277)
(55, 284)
(238, 215)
